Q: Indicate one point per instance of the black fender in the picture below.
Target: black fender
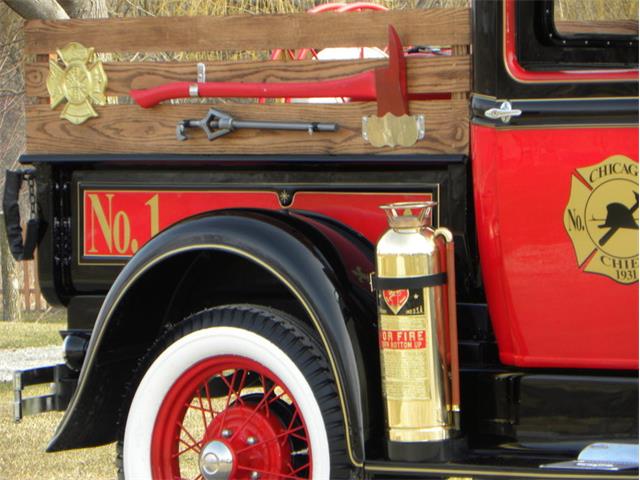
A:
(293, 249)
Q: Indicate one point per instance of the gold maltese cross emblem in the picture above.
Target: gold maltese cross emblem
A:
(602, 218)
(81, 81)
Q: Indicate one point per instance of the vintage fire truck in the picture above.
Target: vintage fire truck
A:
(433, 275)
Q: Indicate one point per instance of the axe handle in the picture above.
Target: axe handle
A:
(362, 86)
(607, 236)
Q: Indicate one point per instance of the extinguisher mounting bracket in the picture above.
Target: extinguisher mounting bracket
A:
(424, 281)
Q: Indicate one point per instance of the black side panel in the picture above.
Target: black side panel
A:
(55, 254)
(45, 247)
(579, 410)
(82, 311)
(548, 412)
(64, 274)
(486, 44)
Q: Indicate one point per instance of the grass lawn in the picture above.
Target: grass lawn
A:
(36, 330)
(22, 448)
(22, 335)
(22, 444)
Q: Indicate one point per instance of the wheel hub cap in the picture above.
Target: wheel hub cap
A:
(216, 461)
(255, 437)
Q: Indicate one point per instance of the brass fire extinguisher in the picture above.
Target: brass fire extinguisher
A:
(415, 283)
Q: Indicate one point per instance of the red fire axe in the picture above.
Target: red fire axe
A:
(386, 85)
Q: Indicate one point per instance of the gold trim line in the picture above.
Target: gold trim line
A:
(245, 254)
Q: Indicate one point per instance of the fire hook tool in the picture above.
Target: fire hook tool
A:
(216, 124)
(386, 85)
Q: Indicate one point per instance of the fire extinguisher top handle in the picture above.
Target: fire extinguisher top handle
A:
(401, 214)
(444, 233)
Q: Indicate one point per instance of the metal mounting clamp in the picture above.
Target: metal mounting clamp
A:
(201, 76)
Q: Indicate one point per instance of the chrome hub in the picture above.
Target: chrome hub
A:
(216, 461)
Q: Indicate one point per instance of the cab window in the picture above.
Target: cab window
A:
(596, 18)
(577, 34)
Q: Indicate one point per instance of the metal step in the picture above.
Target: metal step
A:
(63, 383)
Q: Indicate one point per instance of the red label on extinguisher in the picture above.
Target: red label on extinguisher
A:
(403, 339)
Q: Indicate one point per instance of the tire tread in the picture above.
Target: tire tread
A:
(295, 338)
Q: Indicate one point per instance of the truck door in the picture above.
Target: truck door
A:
(555, 177)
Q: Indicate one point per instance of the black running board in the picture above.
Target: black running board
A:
(394, 470)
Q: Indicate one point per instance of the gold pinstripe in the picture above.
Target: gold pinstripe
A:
(297, 294)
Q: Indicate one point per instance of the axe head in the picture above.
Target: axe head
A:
(391, 81)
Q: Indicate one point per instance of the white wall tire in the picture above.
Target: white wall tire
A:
(259, 343)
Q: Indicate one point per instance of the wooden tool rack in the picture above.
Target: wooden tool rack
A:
(123, 127)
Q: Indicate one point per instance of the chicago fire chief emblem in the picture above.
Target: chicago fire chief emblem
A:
(602, 218)
(82, 83)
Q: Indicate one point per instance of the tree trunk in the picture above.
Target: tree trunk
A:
(42, 9)
(45, 10)
(11, 311)
(11, 146)
(59, 10)
(85, 8)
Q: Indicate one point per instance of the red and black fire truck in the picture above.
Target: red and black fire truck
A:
(240, 305)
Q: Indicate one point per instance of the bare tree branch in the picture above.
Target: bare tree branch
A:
(42, 9)
(7, 92)
(11, 43)
(85, 8)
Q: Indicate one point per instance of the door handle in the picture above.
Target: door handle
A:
(504, 113)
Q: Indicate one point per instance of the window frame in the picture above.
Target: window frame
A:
(534, 51)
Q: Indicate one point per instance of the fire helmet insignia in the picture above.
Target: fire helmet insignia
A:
(80, 80)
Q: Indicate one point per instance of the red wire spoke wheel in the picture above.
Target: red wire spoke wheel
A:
(255, 437)
(231, 393)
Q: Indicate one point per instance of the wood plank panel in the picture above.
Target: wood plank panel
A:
(435, 75)
(460, 51)
(131, 129)
(451, 26)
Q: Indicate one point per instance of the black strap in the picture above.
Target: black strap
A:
(433, 280)
(11, 208)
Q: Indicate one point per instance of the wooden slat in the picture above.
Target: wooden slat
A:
(451, 26)
(460, 51)
(42, 60)
(434, 75)
(131, 129)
